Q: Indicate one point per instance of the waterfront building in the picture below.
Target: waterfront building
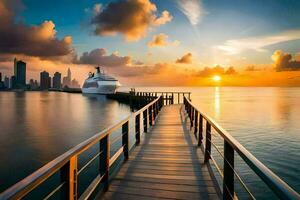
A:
(6, 82)
(75, 84)
(57, 80)
(20, 73)
(67, 80)
(13, 82)
(1, 83)
(45, 80)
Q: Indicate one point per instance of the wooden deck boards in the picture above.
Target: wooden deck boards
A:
(166, 165)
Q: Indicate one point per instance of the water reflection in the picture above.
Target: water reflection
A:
(217, 102)
(36, 127)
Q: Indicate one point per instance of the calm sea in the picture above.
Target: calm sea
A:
(35, 127)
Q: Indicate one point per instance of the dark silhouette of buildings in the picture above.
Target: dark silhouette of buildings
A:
(57, 80)
(20, 73)
(33, 84)
(1, 82)
(45, 80)
(6, 82)
(67, 79)
(13, 82)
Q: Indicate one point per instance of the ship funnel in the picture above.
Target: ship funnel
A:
(98, 69)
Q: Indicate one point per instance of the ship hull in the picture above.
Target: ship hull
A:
(102, 87)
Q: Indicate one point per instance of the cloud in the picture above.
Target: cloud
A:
(32, 40)
(97, 8)
(100, 57)
(252, 68)
(217, 70)
(161, 40)
(257, 43)
(284, 62)
(186, 59)
(192, 9)
(131, 18)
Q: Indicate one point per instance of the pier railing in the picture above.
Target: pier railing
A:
(197, 119)
(169, 98)
(67, 163)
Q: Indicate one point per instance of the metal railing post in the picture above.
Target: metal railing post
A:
(200, 136)
(145, 121)
(207, 142)
(125, 139)
(138, 129)
(192, 117)
(69, 175)
(196, 123)
(104, 160)
(228, 179)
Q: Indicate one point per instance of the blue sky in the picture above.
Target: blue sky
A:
(222, 20)
(138, 37)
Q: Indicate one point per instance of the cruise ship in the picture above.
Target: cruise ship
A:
(100, 83)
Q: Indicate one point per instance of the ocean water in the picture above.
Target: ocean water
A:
(36, 127)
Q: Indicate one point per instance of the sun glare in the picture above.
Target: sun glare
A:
(216, 78)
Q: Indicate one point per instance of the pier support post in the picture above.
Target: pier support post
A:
(145, 121)
(125, 139)
(104, 161)
(69, 175)
(150, 116)
(200, 136)
(207, 142)
(196, 123)
(228, 179)
(137, 129)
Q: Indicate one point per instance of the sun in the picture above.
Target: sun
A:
(216, 78)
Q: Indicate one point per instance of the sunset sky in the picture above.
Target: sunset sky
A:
(156, 42)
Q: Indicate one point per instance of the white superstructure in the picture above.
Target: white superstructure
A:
(100, 83)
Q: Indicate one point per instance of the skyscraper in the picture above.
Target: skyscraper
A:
(67, 79)
(6, 82)
(20, 73)
(45, 80)
(57, 80)
(13, 82)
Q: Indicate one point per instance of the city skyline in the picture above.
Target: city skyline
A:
(18, 79)
(182, 42)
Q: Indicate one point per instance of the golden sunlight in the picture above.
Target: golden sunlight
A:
(216, 78)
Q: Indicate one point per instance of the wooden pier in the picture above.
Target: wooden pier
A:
(170, 158)
(166, 165)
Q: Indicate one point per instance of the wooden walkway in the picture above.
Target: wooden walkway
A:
(166, 165)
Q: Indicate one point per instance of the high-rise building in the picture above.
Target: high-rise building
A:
(20, 73)
(57, 80)
(75, 84)
(45, 80)
(6, 82)
(13, 82)
(67, 79)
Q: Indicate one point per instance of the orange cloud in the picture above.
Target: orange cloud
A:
(186, 59)
(100, 57)
(18, 38)
(131, 18)
(161, 40)
(284, 62)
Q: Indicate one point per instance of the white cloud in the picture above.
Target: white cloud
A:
(192, 9)
(257, 43)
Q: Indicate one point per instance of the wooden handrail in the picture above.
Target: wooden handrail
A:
(231, 145)
(67, 162)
